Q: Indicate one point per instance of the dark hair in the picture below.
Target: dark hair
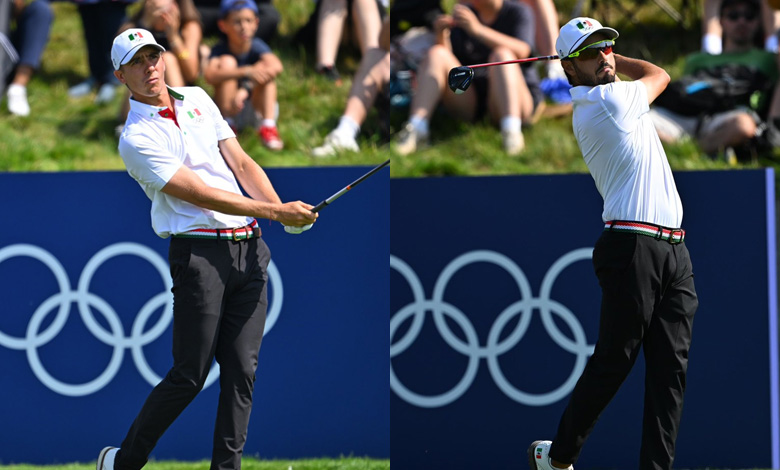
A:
(730, 3)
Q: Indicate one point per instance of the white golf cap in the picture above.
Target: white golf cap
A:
(128, 43)
(575, 32)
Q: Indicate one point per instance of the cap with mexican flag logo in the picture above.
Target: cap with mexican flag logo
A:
(128, 43)
(575, 32)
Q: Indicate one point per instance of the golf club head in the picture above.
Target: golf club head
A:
(459, 79)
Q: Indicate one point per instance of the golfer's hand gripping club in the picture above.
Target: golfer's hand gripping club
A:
(297, 217)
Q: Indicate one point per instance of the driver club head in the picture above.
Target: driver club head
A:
(460, 78)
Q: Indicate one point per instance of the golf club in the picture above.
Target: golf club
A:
(460, 77)
(351, 185)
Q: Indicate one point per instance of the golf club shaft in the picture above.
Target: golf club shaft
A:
(516, 61)
(351, 185)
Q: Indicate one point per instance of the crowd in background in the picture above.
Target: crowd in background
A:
(406, 51)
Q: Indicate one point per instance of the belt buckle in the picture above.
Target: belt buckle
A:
(235, 237)
(671, 236)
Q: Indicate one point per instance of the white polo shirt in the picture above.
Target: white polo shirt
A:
(153, 148)
(624, 154)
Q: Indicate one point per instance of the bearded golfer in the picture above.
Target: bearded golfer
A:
(188, 162)
(641, 261)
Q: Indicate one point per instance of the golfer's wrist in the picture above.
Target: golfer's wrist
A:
(273, 212)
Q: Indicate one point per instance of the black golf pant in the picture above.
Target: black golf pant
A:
(219, 309)
(648, 302)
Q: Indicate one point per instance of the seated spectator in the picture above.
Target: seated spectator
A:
(366, 18)
(101, 20)
(324, 30)
(243, 71)
(372, 76)
(33, 24)
(268, 16)
(723, 100)
(477, 32)
(547, 29)
(555, 85)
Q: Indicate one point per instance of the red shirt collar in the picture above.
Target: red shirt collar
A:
(169, 114)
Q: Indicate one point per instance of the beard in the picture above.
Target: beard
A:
(594, 79)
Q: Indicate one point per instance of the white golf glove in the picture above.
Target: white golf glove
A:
(296, 230)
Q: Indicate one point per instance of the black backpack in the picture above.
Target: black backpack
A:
(718, 89)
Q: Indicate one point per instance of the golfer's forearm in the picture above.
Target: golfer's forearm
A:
(256, 183)
(234, 204)
(655, 78)
(637, 69)
(185, 185)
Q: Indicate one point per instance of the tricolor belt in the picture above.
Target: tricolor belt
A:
(671, 235)
(235, 234)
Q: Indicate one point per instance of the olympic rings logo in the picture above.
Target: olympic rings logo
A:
(495, 347)
(139, 336)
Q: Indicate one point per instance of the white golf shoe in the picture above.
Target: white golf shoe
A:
(106, 458)
(539, 456)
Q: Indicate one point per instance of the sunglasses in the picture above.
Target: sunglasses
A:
(593, 50)
(736, 15)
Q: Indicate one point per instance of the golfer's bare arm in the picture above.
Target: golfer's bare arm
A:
(188, 186)
(248, 173)
(655, 78)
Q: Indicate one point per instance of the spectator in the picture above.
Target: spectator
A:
(476, 32)
(372, 76)
(33, 23)
(366, 18)
(546, 32)
(267, 27)
(555, 85)
(243, 71)
(101, 20)
(326, 24)
(740, 81)
(712, 32)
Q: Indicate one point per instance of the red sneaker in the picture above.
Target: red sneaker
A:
(270, 137)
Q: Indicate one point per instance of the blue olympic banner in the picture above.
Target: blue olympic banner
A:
(86, 312)
(494, 313)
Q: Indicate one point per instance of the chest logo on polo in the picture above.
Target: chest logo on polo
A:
(196, 116)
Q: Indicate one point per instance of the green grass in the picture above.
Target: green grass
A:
(343, 463)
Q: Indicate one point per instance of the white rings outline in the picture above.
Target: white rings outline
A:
(494, 348)
(84, 299)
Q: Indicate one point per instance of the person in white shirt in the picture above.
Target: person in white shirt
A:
(641, 260)
(189, 163)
